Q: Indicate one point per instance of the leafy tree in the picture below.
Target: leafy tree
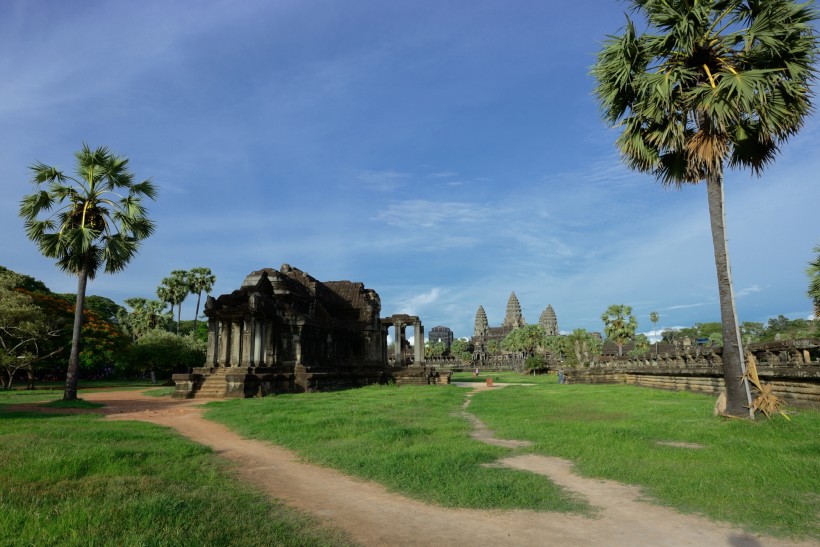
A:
(25, 331)
(26, 281)
(751, 331)
(813, 271)
(145, 315)
(460, 349)
(435, 349)
(95, 219)
(783, 328)
(619, 325)
(641, 342)
(711, 83)
(173, 290)
(527, 339)
(163, 353)
(200, 280)
(583, 346)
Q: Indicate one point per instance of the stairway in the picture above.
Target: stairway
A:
(213, 387)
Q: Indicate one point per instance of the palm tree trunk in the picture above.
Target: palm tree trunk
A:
(738, 394)
(70, 393)
(196, 314)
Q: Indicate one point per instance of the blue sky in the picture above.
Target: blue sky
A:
(443, 153)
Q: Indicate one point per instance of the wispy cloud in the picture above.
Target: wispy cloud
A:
(430, 214)
(413, 304)
(382, 181)
(746, 291)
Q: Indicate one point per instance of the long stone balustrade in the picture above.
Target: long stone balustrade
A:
(792, 367)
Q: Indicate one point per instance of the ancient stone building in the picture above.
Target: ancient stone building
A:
(285, 331)
(514, 318)
(483, 333)
(549, 322)
(441, 334)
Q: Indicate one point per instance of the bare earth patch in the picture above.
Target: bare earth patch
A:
(374, 516)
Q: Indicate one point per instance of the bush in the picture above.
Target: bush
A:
(165, 353)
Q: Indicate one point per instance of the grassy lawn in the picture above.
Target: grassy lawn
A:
(80, 480)
(763, 476)
(405, 438)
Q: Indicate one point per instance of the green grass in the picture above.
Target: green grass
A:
(762, 476)
(80, 480)
(405, 438)
(504, 378)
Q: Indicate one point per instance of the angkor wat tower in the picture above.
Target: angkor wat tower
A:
(514, 318)
(483, 333)
(549, 322)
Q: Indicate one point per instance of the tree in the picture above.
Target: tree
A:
(163, 353)
(813, 271)
(145, 315)
(583, 345)
(527, 339)
(24, 330)
(711, 83)
(95, 219)
(654, 317)
(173, 290)
(460, 349)
(200, 280)
(619, 325)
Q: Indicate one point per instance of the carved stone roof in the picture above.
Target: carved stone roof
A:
(514, 318)
(548, 321)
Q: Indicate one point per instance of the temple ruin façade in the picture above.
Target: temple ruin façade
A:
(283, 331)
(483, 333)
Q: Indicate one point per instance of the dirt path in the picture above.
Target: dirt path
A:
(374, 516)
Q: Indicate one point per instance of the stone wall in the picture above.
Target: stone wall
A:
(791, 367)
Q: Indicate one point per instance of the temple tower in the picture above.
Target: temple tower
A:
(549, 322)
(482, 326)
(514, 318)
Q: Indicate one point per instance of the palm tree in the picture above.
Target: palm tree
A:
(91, 220)
(711, 83)
(653, 316)
(813, 271)
(200, 279)
(619, 325)
(173, 290)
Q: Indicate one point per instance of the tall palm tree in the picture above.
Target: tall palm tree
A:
(95, 219)
(712, 83)
(173, 290)
(813, 271)
(201, 280)
(619, 325)
(654, 317)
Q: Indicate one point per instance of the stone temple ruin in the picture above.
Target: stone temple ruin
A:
(283, 331)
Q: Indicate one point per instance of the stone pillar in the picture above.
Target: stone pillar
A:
(236, 343)
(246, 345)
(258, 342)
(224, 343)
(418, 342)
(399, 327)
(213, 343)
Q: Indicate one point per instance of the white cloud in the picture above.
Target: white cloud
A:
(382, 181)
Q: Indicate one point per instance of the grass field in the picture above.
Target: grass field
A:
(763, 476)
(64, 479)
(81, 480)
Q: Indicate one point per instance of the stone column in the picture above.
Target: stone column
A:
(224, 343)
(236, 342)
(246, 345)
(213, 343)
(399, 327)
(418, 342)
